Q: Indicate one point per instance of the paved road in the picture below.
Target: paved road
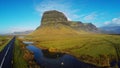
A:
(6, 55)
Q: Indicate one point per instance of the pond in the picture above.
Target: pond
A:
(59, 60)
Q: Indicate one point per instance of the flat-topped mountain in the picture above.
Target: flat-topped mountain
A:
(53, 17)
(55, 22)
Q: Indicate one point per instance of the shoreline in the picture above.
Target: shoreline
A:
(85, 61)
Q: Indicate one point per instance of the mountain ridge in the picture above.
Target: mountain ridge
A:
(55, 22)
(111, 29)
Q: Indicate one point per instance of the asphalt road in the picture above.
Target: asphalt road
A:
(6, 55)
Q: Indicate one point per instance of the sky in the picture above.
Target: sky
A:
(22, 15)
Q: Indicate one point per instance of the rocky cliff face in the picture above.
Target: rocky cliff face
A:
(53, 17)
(89, 27)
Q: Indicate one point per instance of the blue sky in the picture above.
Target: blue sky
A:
(22, 15)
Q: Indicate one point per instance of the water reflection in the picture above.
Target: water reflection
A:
(59, 61)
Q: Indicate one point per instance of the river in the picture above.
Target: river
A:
(61, 61)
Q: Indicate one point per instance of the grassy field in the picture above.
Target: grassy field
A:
(91, 48)
(18, 60)
(23, 58)
(3, 41)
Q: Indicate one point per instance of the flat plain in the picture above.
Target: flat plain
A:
(98, 49)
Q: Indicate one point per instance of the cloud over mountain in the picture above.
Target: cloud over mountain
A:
(114, 21)
(60, 5)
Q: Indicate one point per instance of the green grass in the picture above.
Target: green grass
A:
(18, 59)
(93, 45)
(3, 42)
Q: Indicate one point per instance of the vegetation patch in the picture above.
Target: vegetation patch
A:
(4, 41)
(22, 57)
(97, 49)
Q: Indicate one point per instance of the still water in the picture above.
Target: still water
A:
(62, 61)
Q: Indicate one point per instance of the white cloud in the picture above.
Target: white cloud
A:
(67, 7)
(90, 17)
(59, 5)
(114, 21)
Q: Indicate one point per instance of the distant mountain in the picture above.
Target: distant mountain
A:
(22, 32)
(55, 22)
(111, 29)
(19, 33)
(87, 27)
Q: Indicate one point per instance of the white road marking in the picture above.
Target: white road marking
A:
(3, 60)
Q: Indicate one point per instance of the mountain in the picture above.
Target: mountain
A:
(53, 17)
(79, 26)
(55, 22)
(22, 32)
(111, 29)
